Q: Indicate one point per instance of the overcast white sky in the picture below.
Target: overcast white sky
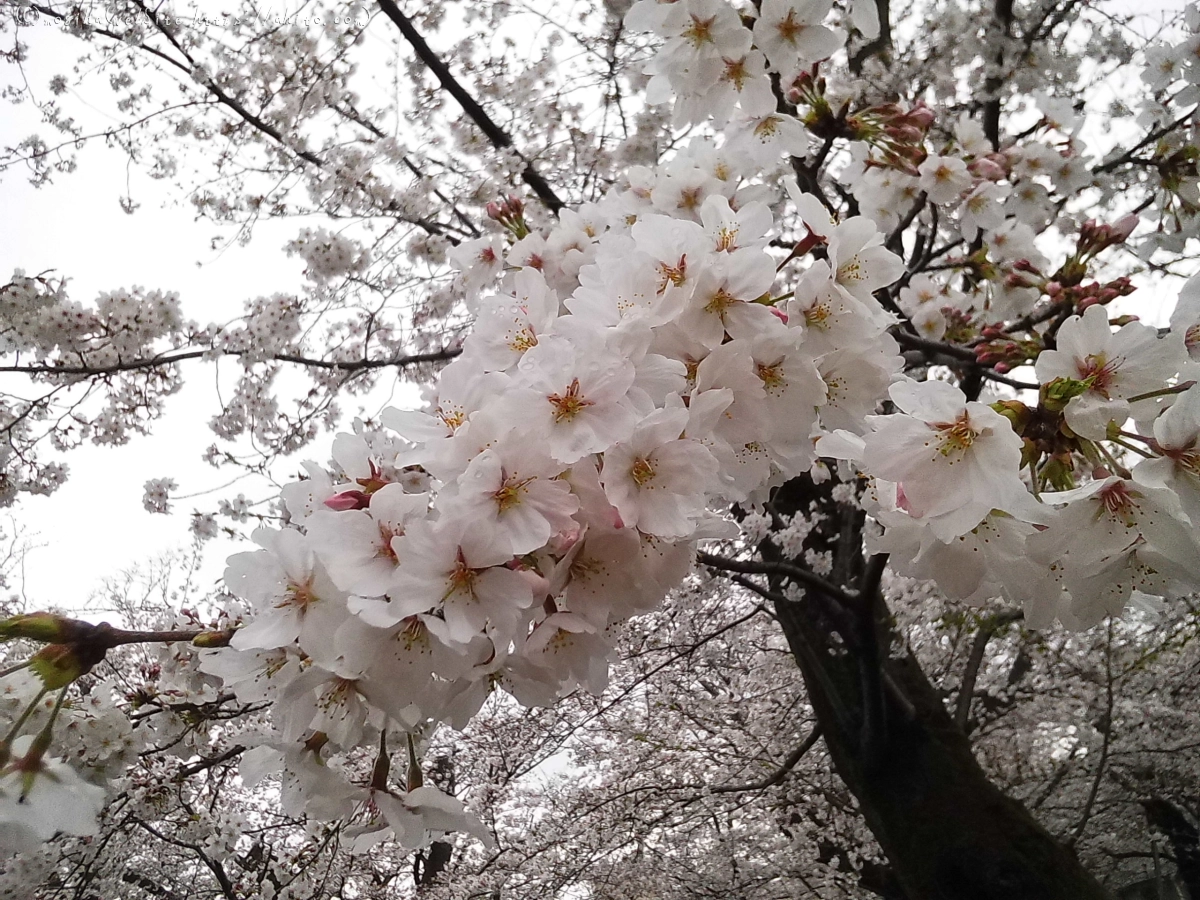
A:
(95, 525)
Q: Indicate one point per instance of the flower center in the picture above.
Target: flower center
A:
(452, 417)
(789, 29)
(720, 302)
(736, 73)
(298, 595)
(771, 376)
(699, 32)
(523, 340)
(766, 129)
(569, 404)
(689, 198)
(957, 436)
(511, 492)
(641, 471)
(817, 316)
(1118, 502)
(462, 578)
(676, 274)
(1191, 339)
(1099, 372)
(385, 549)
(851, 271)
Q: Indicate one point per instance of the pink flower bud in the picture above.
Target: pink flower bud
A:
(921, 116)
(986, 169)
(1123, 227)
(348, 500)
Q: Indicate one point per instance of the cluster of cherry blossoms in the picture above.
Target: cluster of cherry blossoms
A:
(648, 361)
(704, 333)
(566, 465)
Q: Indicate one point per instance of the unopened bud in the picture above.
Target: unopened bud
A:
(986, 169)
(214, 638)
(45, 627)
(60, 664)
(348, 500)
(1056, 394)
(1123, 227)
(1015, 411)
(921, 116)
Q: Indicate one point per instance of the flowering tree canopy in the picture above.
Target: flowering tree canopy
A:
(792, 303)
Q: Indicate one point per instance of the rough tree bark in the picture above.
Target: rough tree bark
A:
(947, 831)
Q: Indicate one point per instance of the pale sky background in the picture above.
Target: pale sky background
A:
(95, 526)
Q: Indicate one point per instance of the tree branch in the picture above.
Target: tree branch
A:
(795, 573)
(353, 365)
(497, 135)
(202, 765)
(189, 68)
(966, 690)
(779, 774)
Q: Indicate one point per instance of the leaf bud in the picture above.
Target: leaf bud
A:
(1015, 411)
(45, 627)
(60, 664)
(1055, 394)
(213, 638)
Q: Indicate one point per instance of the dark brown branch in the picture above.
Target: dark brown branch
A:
(994, 85)
(1149, 139)
(204, 764)
(934, 348)
(359, 119)
(780, 773)
(353, 365)
(879, 45)
(497, 135)
(966, 691)
(257, 122)
(214, 866)
(787, 570)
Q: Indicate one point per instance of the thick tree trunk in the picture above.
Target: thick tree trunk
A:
(947, 831)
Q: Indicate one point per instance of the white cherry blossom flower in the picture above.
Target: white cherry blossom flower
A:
(724, 297)
(459, 567)
(576, 397)
(569, 647)
(1112, 537)
(293, 598)
(44, 796)
(509, 324)
(1177, 435)
(944, 178)
(359, 547)
(731, 230)
(859, 261)
(791, 34)
(516, 494)
(1113, 366)
(657, 480)
(955, 459)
